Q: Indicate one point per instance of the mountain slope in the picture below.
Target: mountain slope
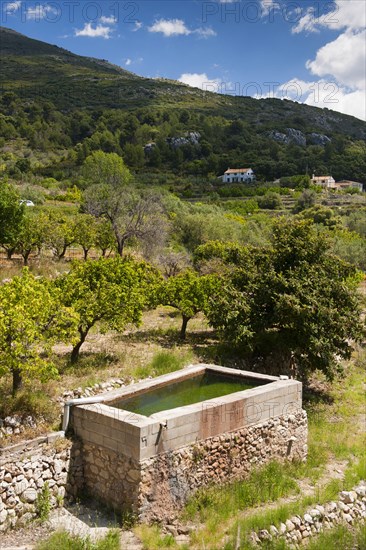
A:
(57, 103)
(34, 69)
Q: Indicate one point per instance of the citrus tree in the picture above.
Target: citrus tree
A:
(11, 217)
(188, 292)
(112, 292)
(32, 320)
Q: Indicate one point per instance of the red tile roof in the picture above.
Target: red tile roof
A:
(235, 170)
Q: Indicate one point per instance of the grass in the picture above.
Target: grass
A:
(152, 539)
(162, 363)
(340, 537)
(265, 484)
(64, 541)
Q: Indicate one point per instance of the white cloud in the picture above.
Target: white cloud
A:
(177, 27)
(344, 58)
(268, 6)
(200, 80)
(346, 14)
(41, 11)
(12, 7)
(99, 31)
(324, 94)
(138, 26)
(170, 27)
(135, 61)
(205, 32)
(341, 100)
(108, 20)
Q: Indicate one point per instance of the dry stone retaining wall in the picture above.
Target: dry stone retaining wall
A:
(155, 488)
(349, 509)
(24, 470)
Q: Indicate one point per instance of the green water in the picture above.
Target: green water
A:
(185, 392)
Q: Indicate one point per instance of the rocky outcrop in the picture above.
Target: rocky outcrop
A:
(190, 138)
(319, 139)
(299, 138)
(296, 137)
(291, 136)
(279, 137)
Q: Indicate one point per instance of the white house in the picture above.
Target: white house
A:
(238, 175)
(325, 181)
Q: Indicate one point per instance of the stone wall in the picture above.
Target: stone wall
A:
(349, 509)
(111, 477)
(24, 470)
(155, 488)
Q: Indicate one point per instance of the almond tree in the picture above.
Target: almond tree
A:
(131, 214)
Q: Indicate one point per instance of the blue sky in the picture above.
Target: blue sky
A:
(312, 52)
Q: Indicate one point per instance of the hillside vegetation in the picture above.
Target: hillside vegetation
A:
(57, 107)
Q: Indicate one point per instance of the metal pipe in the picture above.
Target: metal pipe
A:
(80, 401)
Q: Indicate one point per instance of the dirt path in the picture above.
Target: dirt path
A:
(78, 520)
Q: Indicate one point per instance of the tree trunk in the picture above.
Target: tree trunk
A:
(62, 253)
(17, 381)
(9, 253)
(26, 257)
(76, 349)
(184, 327)
(86, 250)
(120, 247)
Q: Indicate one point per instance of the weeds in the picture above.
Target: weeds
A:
(152, 539)
(64, 541)
(265, 484)
(43, 503)
(162, 363)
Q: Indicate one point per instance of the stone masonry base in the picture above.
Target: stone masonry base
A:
(155, 489)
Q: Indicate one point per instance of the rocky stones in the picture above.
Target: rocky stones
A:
(30, 495)
(319, 139)
(13, 425)
(348, 497)
(24, 472)
(350, 508)
(289, 526)
(299, 138)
